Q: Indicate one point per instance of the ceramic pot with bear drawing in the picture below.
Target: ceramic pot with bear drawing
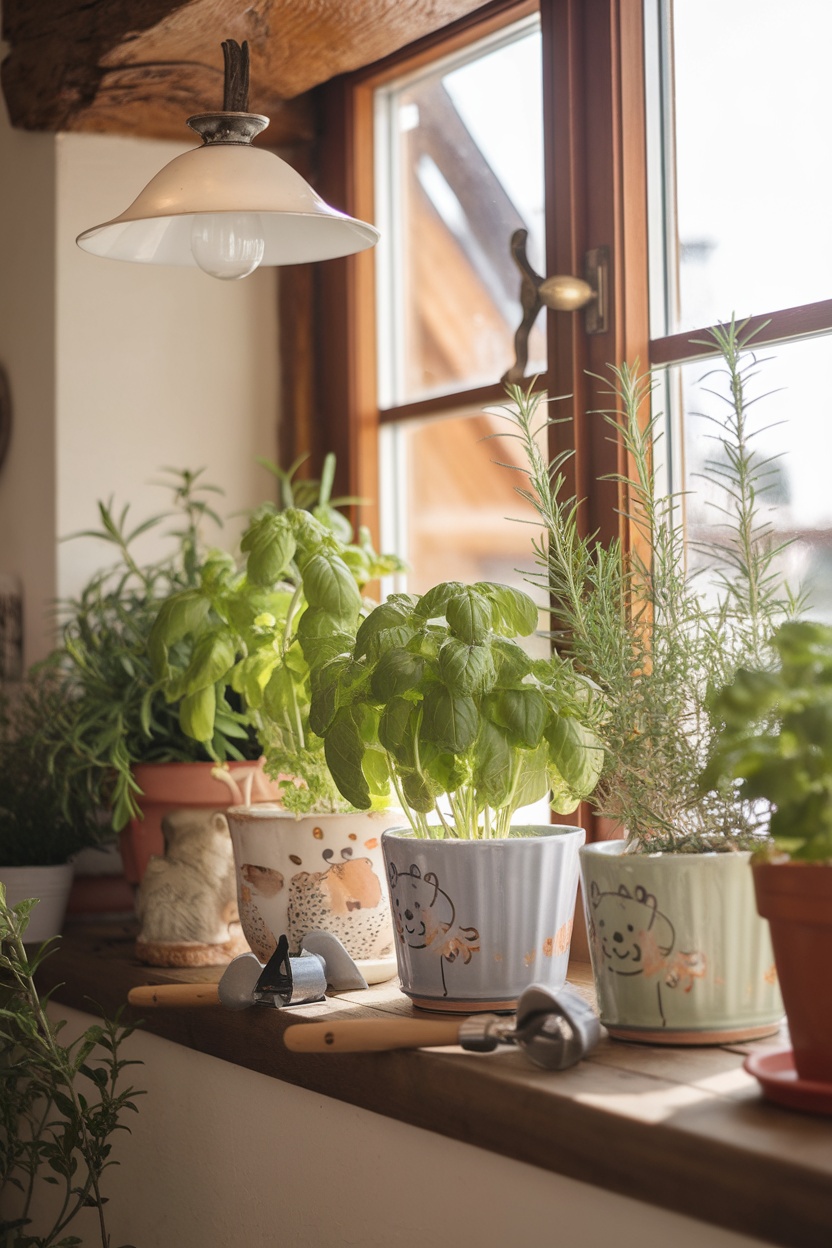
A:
(477, 922)
(326, 871)
(679, 952)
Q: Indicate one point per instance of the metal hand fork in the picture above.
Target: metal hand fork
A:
(554, 1030)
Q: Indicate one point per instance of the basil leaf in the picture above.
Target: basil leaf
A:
(396, 671)
(344, 749)
(469, 614)
(493, 765)
(468, 669)
(516, 612)
(270, 546)
(212, 659)
(196, 714)
(523, 713)
(432, 604)
(449, 719)
(329, 586)
(178, 616)
(576, 753)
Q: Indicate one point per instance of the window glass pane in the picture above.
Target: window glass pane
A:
(788, 422)
(460, 169)
(753, 182)
(451, 509)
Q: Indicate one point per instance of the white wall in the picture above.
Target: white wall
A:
(116, 369)
(221, 1157)
(155, 366)
(27, 351)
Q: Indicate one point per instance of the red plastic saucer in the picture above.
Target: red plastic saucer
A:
(774, 1068)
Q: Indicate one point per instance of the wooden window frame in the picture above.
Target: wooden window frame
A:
(595, 171)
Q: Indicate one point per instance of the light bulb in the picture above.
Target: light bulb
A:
(227, 245)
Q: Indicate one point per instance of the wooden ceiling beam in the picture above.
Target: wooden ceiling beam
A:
(142, 67)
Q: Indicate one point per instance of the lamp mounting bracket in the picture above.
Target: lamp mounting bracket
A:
(235, 95)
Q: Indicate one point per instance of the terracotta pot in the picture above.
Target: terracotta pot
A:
(168, 786)
(679, 953)
(796, 898)
(477, 922)
(325, 871)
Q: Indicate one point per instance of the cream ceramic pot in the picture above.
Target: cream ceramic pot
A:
(477, 922)
(679, 953)
(295, 874)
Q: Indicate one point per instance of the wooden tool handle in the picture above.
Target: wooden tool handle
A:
(174, 994)
(370, 1035)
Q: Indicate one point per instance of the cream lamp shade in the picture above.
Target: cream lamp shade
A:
(227, 206)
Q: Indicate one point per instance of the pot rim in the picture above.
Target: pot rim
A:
(272, 810)
(615, 849)
(527, 832)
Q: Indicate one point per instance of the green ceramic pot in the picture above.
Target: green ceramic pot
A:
(679, 953)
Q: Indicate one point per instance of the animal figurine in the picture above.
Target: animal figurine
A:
(186, 903)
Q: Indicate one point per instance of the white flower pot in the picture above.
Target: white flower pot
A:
(295, 874)
(479, 921)
(679, 953)
(51, 886)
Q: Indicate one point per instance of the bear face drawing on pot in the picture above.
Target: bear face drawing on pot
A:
(324, 871)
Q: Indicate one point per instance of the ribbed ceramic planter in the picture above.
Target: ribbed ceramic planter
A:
(168, 786)
(323, 872)
(679, 953)
(51, 886)
(796, 898)
(479, 921)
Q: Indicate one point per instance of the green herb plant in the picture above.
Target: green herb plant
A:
(114, 717)
(773, 740)
(61, 1104)
(651, 637)
(437, 698)
(249, 633)
(44, 819)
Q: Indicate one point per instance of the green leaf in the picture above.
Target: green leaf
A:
(344, 748)
(515, 612)
(270, 545)
(212, 660)
(178, 616)
(396, 613)
(523, 713)
(449, 720)
(376, 772)
(576, 753)
(329, 585)
(395, 728)
(418, 792)
(433, 604)
(196, 713)
(396, 672)
(466, 668)
(469, 614)
(492, 765)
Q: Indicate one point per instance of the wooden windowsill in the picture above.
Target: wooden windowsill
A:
(684, 1129)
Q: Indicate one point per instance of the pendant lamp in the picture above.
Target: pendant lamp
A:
(228, 206)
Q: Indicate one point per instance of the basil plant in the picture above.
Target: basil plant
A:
(437, 701)
(246, 637)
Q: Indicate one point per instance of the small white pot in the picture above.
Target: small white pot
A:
(479, 921)
(51, 886)
(679, 953)
(295, 874)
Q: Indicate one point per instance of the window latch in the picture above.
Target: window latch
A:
(561, 293)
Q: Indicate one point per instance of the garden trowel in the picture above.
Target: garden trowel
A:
(284, 980)
(554, 1029)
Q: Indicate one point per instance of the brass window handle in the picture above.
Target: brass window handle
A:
(560, 293)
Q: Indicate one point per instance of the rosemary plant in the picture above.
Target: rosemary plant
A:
(60, 1106)
(654, 639)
